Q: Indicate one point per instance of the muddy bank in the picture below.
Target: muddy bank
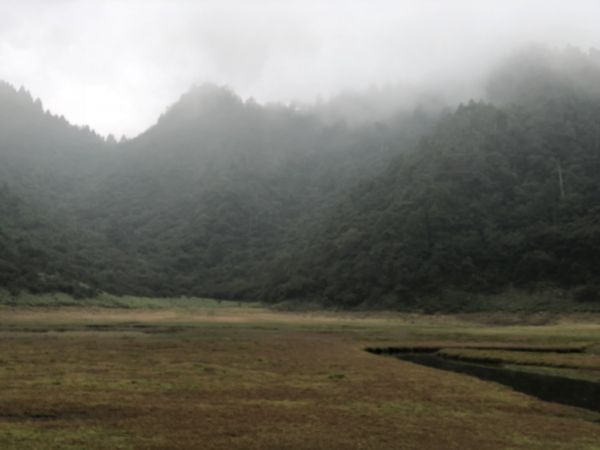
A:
(568, 391)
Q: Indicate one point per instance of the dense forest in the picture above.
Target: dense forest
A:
(228, 198)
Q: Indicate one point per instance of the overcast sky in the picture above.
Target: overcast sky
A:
(116, 65)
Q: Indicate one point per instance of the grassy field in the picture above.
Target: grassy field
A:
(199, 374)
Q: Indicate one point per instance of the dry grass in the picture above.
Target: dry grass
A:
(256, 379)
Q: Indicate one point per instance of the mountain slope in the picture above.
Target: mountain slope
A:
(204, 200)
(231, 199)
(494, 197)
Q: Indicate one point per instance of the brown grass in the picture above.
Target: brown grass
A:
(258, 379)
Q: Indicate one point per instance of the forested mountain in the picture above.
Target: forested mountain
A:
(232, 199)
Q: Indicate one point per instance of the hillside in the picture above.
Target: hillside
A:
(232, 199)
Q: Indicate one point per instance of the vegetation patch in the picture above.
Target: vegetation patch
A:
(229, 382)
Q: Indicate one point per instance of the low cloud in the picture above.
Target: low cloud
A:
(116, 65)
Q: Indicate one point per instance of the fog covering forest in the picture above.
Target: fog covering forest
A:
(228, 198)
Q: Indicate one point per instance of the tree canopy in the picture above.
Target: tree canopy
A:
(231, 199)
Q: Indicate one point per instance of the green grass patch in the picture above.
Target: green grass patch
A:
(55, 300)
(24, 437)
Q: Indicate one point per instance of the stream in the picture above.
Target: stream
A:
(568, 391)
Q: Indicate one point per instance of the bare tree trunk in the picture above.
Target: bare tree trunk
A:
(428, 232)
(561, 182)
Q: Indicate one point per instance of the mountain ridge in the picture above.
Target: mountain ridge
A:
(232, 199)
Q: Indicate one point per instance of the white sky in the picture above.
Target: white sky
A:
(116, 65)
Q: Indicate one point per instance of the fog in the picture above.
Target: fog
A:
(116, 65)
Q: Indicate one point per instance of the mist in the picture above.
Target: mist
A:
(210, 210)
(115, 65)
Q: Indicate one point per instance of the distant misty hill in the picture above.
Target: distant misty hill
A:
(232, 199)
